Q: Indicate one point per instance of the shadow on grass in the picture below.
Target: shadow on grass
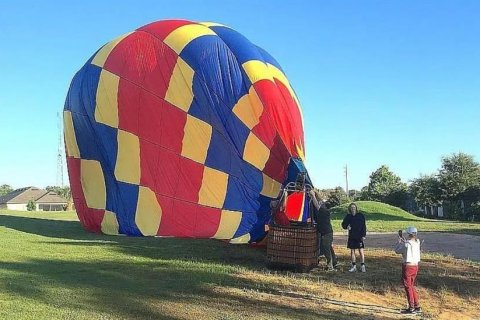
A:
(175, 274)
(199, 250)
(48, 228)
(153, 290)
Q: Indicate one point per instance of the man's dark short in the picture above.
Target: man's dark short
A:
(355, 244)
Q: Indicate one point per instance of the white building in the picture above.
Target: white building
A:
(44, 200)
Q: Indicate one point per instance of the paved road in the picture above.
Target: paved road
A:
(460, 246)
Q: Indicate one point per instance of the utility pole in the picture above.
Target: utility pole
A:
(346, 180)
(59, 152)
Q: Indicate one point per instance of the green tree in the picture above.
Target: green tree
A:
(474, 211)
(458, 173)
(471, 198)
(31, 205)
(384, 186)
(426, 190)
(399, 198)
(354, 194)
(364, 193)
(4, 189)
(64, 192)
(336, 197)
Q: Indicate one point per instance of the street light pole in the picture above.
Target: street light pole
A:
(346, 180)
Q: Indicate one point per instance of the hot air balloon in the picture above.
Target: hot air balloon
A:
(181, 129)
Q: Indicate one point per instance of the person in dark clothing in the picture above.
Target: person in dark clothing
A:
(321, 216)
(355, 223)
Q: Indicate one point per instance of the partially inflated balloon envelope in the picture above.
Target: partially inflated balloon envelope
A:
(181, 129)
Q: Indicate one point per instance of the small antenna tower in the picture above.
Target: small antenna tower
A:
(59, 152)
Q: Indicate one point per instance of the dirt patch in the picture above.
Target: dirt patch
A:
(461, 246)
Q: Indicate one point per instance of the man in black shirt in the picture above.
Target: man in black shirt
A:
(321, 216)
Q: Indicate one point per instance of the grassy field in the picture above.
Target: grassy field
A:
(385, 218)
(51, 269)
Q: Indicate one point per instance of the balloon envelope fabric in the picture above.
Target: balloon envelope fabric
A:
(180, 129)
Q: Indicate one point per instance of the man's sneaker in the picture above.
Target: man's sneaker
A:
(362, 268)
(418, 309)
(330, 269)
(353, 269)
(408, 311)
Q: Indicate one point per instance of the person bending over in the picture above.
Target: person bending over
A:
(321, 216)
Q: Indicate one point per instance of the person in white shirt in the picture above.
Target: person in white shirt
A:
(409, 248)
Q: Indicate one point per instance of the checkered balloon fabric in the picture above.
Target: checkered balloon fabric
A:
(180, 129)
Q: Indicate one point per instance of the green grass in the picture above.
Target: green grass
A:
(52, 215)
(386, 218)
(50, 268)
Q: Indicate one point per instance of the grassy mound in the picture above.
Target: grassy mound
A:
(377, 211)
(383, 217)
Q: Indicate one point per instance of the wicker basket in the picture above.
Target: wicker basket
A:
(292, 247)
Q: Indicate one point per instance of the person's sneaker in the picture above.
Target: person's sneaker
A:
(353, 269)
(418, 309)
(408, 311)
(362, 268)
(330, 269)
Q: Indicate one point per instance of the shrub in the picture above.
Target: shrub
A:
(31, 205)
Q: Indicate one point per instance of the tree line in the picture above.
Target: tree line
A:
(64, 192)
(455, 187)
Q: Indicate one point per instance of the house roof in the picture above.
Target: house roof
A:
(9, 196)
(24, 195)
(51, 197)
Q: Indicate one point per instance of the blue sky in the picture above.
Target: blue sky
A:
(380, 82)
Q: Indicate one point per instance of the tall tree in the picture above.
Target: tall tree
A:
(4, 189)
(426, 190)
(364, 193)
(458, 173)
(383, 185)
(336, 197)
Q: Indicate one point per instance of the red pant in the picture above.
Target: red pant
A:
(409, 274)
